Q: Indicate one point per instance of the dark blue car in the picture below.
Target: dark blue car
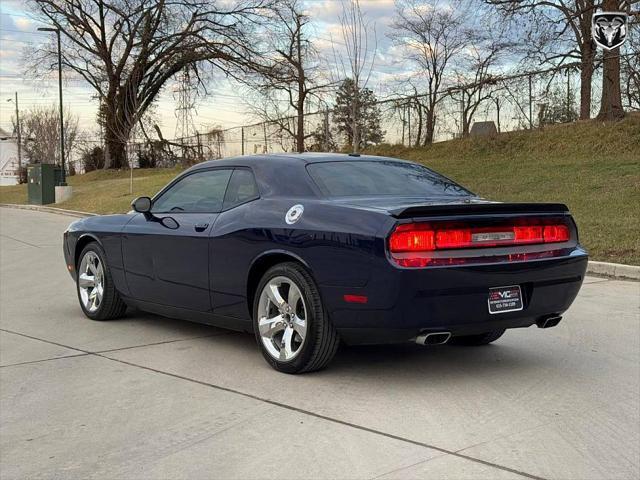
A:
(307, 250)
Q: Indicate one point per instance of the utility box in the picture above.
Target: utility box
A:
(42, 179)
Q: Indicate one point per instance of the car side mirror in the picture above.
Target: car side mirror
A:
(142, 205)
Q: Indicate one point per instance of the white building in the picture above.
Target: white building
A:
(8, 158)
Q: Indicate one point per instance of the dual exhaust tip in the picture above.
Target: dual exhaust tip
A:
(440, 338)
(548, 322)
(434, 338)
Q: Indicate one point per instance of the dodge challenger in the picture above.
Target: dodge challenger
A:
(309, 250)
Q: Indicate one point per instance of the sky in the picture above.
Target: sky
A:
(224, 106)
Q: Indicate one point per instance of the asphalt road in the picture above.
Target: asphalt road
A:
(147, 397)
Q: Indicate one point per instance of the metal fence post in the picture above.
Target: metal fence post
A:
(403, 115)
(409, 122)
(200, 152)
(569, 95)
(242, 138)
(326, 130)
(530, 104)
(264, 132)
(462, 119)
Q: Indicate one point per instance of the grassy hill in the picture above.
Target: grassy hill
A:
(103, 191)
(593, 167)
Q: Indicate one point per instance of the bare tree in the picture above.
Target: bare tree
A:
(559, 32)
(293, 79)
(128, 49)
(41, 133)
(431, 34)
(475, 65)
(358, 48)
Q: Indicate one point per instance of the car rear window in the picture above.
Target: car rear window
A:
(361, 178)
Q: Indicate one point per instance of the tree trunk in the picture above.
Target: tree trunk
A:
(586, 77)
(611, 101)
(300, 128)
(420, 123)
(355, 118)
(464, 113)
(115, 148)
(430, 124)
(466, 120)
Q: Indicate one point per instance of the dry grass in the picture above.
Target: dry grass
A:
(102, 191)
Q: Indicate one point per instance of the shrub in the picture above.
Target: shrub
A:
(93, 159)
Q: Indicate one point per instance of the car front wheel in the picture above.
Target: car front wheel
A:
(290, 323)
(97, 294)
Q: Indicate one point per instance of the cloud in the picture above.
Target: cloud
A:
(330, 10)
(23, 23)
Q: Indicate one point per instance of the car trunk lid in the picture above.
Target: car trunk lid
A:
(414, 207)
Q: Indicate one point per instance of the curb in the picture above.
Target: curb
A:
(614, 270)
(43, 208)
(604, 269)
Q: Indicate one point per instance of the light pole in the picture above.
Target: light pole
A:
(57, 31)
(19, 136)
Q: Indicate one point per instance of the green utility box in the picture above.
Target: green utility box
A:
(42, 178)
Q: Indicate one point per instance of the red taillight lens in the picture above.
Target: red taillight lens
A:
(532, 234)
(412, 238)
(419, 238)
(556, 233)
(457, 238)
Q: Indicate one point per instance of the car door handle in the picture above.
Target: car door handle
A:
(201, 227)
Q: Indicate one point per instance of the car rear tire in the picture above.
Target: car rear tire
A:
(477, 340)
(291, 325)
(97, 294)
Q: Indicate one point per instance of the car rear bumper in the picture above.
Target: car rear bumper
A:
(405, 302)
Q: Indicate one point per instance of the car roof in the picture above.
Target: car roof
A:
(284, 174)
(283, 159)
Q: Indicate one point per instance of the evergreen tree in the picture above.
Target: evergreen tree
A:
(368, 116)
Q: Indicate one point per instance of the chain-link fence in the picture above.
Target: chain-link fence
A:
(521, 101)
(506, 103)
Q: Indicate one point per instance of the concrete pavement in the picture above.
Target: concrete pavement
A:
(147, 397)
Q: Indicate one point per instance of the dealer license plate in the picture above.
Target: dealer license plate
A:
(505, 299)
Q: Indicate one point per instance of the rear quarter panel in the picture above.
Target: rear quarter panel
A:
(336, 243)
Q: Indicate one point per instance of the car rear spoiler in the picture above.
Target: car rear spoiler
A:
(478, 209)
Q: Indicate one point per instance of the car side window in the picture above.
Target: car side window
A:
(242, 188)
(201, 192)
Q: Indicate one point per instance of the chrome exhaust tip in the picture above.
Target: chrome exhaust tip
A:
(548, 322)
(433, 338)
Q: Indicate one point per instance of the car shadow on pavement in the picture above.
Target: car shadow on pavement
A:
(427, 363)
(396, 364)
(402, 362)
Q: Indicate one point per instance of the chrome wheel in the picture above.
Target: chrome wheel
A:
(91, 281)
(282, 318)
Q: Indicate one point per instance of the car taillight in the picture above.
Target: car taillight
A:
(556, 233)
(412, 237)
(422, 238)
